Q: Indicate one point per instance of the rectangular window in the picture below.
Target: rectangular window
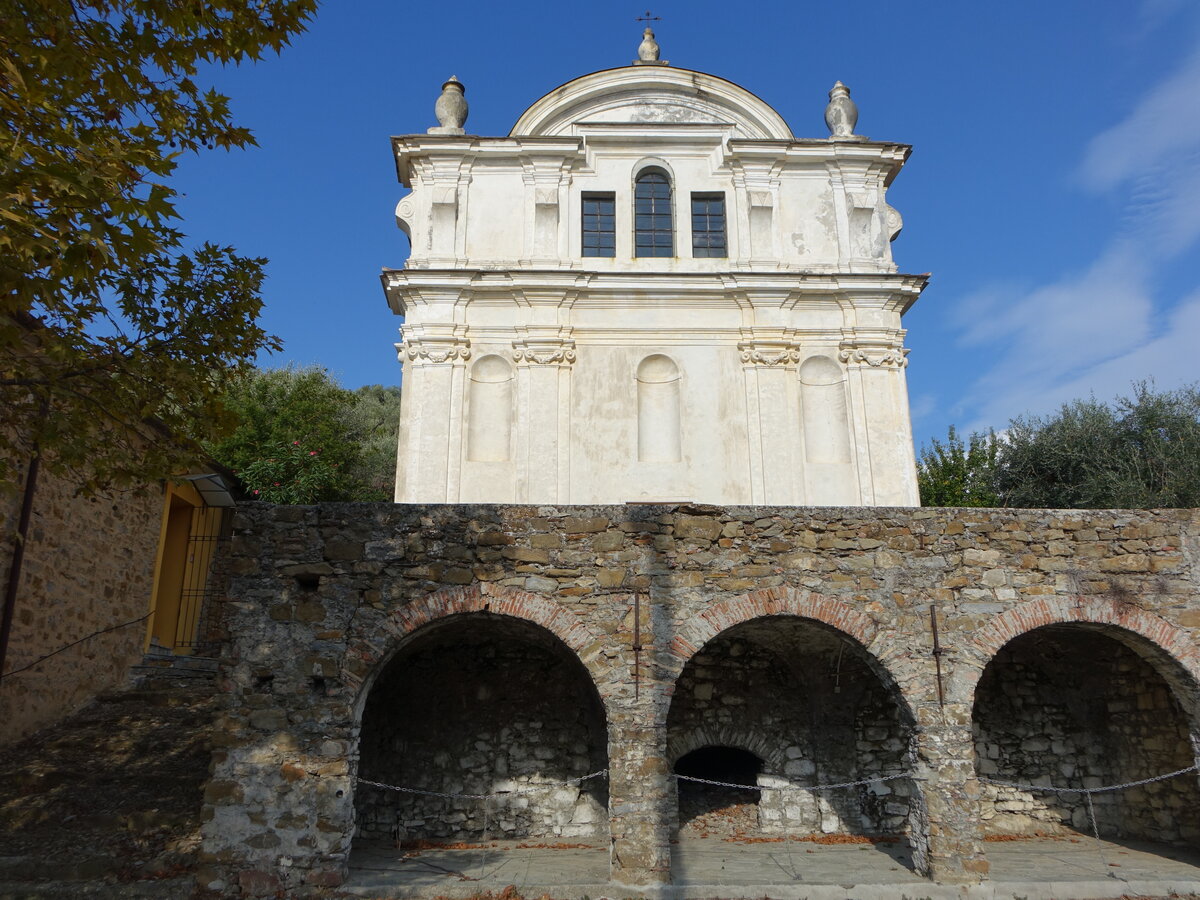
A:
(708, 225)
(599, 226)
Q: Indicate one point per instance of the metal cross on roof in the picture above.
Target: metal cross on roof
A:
(647, 18)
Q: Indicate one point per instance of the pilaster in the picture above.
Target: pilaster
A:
(951, 847)
(879, 401)
(544, 358)
(769, 367)
(434, 357)
(545, 191)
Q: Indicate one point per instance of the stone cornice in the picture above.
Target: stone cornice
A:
(409, 150)
(657, 281)
(887, 156)
(584, 97)
(894, 292)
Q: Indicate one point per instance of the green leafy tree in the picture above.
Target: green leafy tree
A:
(302, 438)
(375, 420)
(957, 473)
(291, 443)
(107, 322)
(1139, 452)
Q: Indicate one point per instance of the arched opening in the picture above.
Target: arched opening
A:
(482, 704)
(704, 806)
(653, 219)
(1084, 705)
(809, 706)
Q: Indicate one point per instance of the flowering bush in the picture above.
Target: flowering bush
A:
(302, 438)
(292, 473)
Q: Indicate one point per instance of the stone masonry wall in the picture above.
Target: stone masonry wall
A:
(511, 715)
(89, 565)
(1082, 710)
(808, 721)
(323, 598)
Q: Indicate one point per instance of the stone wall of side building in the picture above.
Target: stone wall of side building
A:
(514, 651)
(89, 565)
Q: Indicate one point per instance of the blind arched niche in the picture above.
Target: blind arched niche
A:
(658, 410)
(490, 415)
(823, 411)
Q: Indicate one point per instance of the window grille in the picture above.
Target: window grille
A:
(199, 588)
(599, 226)
(708, 225)
(652, 229)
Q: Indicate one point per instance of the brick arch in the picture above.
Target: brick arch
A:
(747, 739)
(1173, 652)
(372, 652)
(788, 601)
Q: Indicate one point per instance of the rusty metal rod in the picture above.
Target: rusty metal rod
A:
(637, 644)
(937, 653)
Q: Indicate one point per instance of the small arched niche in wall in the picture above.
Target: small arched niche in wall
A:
(490, 411)
(658, 410)
(823, 408)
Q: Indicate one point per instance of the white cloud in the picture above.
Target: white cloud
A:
(1167, 357)
(1163, 125)
(1099, 329)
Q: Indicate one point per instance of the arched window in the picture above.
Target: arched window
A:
(653, 232)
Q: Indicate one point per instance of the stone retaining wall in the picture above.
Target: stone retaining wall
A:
(323, 599)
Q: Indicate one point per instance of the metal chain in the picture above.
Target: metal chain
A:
(788, 787)
(1096, 790)
(528, 790)
(1096, 833)
(1087, 796)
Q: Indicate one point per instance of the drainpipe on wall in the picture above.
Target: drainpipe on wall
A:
(18, 556)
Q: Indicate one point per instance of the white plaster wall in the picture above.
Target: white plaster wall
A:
(604, 427)
(496, 268)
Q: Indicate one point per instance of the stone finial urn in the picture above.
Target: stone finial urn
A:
(451, 108)
(841, 115)
(648, 49)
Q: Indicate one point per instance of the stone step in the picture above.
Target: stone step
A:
(107, 802)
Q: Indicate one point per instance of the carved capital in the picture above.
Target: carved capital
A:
(875, 357)
(769, 353)
(434, 348)
(544, 352)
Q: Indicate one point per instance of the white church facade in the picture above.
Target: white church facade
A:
(651, 290)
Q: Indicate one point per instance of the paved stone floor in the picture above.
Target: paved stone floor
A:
(1043, 869)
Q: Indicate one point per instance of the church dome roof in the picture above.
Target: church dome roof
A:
(651, 94)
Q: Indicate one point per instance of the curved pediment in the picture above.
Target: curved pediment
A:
(651, 94)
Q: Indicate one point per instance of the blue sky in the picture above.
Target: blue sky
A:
(1053, 190)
